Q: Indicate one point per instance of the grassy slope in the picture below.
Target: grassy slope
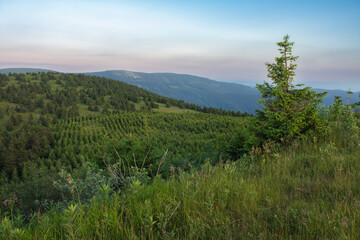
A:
(307, 191)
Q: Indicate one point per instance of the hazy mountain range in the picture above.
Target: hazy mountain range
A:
(193, 89)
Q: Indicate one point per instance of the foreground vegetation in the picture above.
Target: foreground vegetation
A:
(307, 190)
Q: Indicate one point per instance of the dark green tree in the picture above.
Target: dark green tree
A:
(10, 124)
(349, 92)
(288, 110)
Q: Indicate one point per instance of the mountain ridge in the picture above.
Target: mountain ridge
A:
(190, 88)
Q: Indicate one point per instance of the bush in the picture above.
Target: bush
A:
(342, 120)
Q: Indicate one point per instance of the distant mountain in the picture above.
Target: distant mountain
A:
(23, 70)
(193, 89)
(206, 92)
(330, 96)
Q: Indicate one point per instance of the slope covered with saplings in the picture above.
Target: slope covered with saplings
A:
(57, 124)
(34, 109)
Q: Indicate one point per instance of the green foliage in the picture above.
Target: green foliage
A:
(81, 185)
(129, 160)
(341, 116)
(241, 144)
(342, 120)
(48, 98)
(289, 111)
(307, 191)
(33, 192)
(131, 143)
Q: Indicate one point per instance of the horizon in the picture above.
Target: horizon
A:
(223, 41)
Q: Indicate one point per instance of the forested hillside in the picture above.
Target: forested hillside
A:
(53, 121)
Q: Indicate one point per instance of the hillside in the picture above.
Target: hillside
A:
(53, 122)
(57, 96)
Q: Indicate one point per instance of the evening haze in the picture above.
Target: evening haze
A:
(222, 40)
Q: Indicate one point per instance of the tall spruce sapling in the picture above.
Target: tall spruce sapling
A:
(349, 92)
(288, 110)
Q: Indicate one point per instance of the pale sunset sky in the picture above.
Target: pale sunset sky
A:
(222, 40)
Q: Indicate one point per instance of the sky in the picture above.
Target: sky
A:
(223, 40)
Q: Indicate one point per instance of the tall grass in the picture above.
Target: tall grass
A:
(309, 190)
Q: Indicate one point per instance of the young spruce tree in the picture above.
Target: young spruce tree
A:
(288, 110)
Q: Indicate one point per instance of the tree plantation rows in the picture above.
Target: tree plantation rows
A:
(81, 138)
(72, 141)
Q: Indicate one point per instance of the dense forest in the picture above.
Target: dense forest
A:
(84, 157)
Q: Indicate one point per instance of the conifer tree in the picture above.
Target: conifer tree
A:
(3, 178)
(289, 110)
(15, 177)
(349, 92)
(10, 124)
